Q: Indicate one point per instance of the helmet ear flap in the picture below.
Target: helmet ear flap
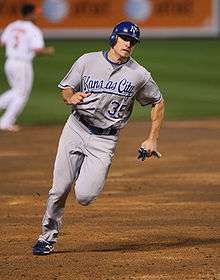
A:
(113, 39)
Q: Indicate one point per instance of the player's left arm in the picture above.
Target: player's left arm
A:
(37, 43)
(157, 115)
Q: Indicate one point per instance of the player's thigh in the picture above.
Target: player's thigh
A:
(11, 72)
(68, 159)
(92, 176)
(19, 75)
(28, 82)
(25, 79)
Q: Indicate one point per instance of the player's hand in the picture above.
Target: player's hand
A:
(50, 50)
(149, 145)
(77, 98)
(148, 149)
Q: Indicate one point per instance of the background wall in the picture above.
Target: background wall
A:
(95, 18)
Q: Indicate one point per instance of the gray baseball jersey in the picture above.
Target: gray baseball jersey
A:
(113, 89)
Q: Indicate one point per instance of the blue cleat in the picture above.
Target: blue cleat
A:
(42, 248)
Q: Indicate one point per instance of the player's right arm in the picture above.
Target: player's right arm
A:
(70, 85)
(44, 51)
(73, 98)
(4, 36)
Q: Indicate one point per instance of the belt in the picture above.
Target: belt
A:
(94, 129)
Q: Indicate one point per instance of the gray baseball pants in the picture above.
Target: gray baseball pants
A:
(83, 158)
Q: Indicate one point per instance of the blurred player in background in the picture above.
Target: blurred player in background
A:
(22, 40)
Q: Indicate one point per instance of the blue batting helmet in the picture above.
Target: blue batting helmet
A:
(125, 28)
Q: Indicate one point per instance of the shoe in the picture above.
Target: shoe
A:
(42, 248)
(11, 128)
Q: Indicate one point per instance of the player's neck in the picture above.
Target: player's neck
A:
(116, 58)
(29, 18)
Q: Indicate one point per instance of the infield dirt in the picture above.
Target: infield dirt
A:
(157, 219)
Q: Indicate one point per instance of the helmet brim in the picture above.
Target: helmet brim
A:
(129, 36)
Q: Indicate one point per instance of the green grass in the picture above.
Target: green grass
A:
(187, 71)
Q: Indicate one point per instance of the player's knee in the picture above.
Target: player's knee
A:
(85, 200)
(59, 196)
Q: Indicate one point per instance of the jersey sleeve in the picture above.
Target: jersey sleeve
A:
(36, 39)
(74, 76)
(5, 35)
(149, 93)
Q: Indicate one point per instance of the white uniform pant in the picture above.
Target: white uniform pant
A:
(20, 78)
(81, 157)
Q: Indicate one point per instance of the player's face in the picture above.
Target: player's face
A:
(124, 46)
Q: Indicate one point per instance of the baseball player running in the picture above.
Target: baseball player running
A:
(22, 40)
(102, 88)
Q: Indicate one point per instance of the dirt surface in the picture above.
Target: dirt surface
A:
(157, 219)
